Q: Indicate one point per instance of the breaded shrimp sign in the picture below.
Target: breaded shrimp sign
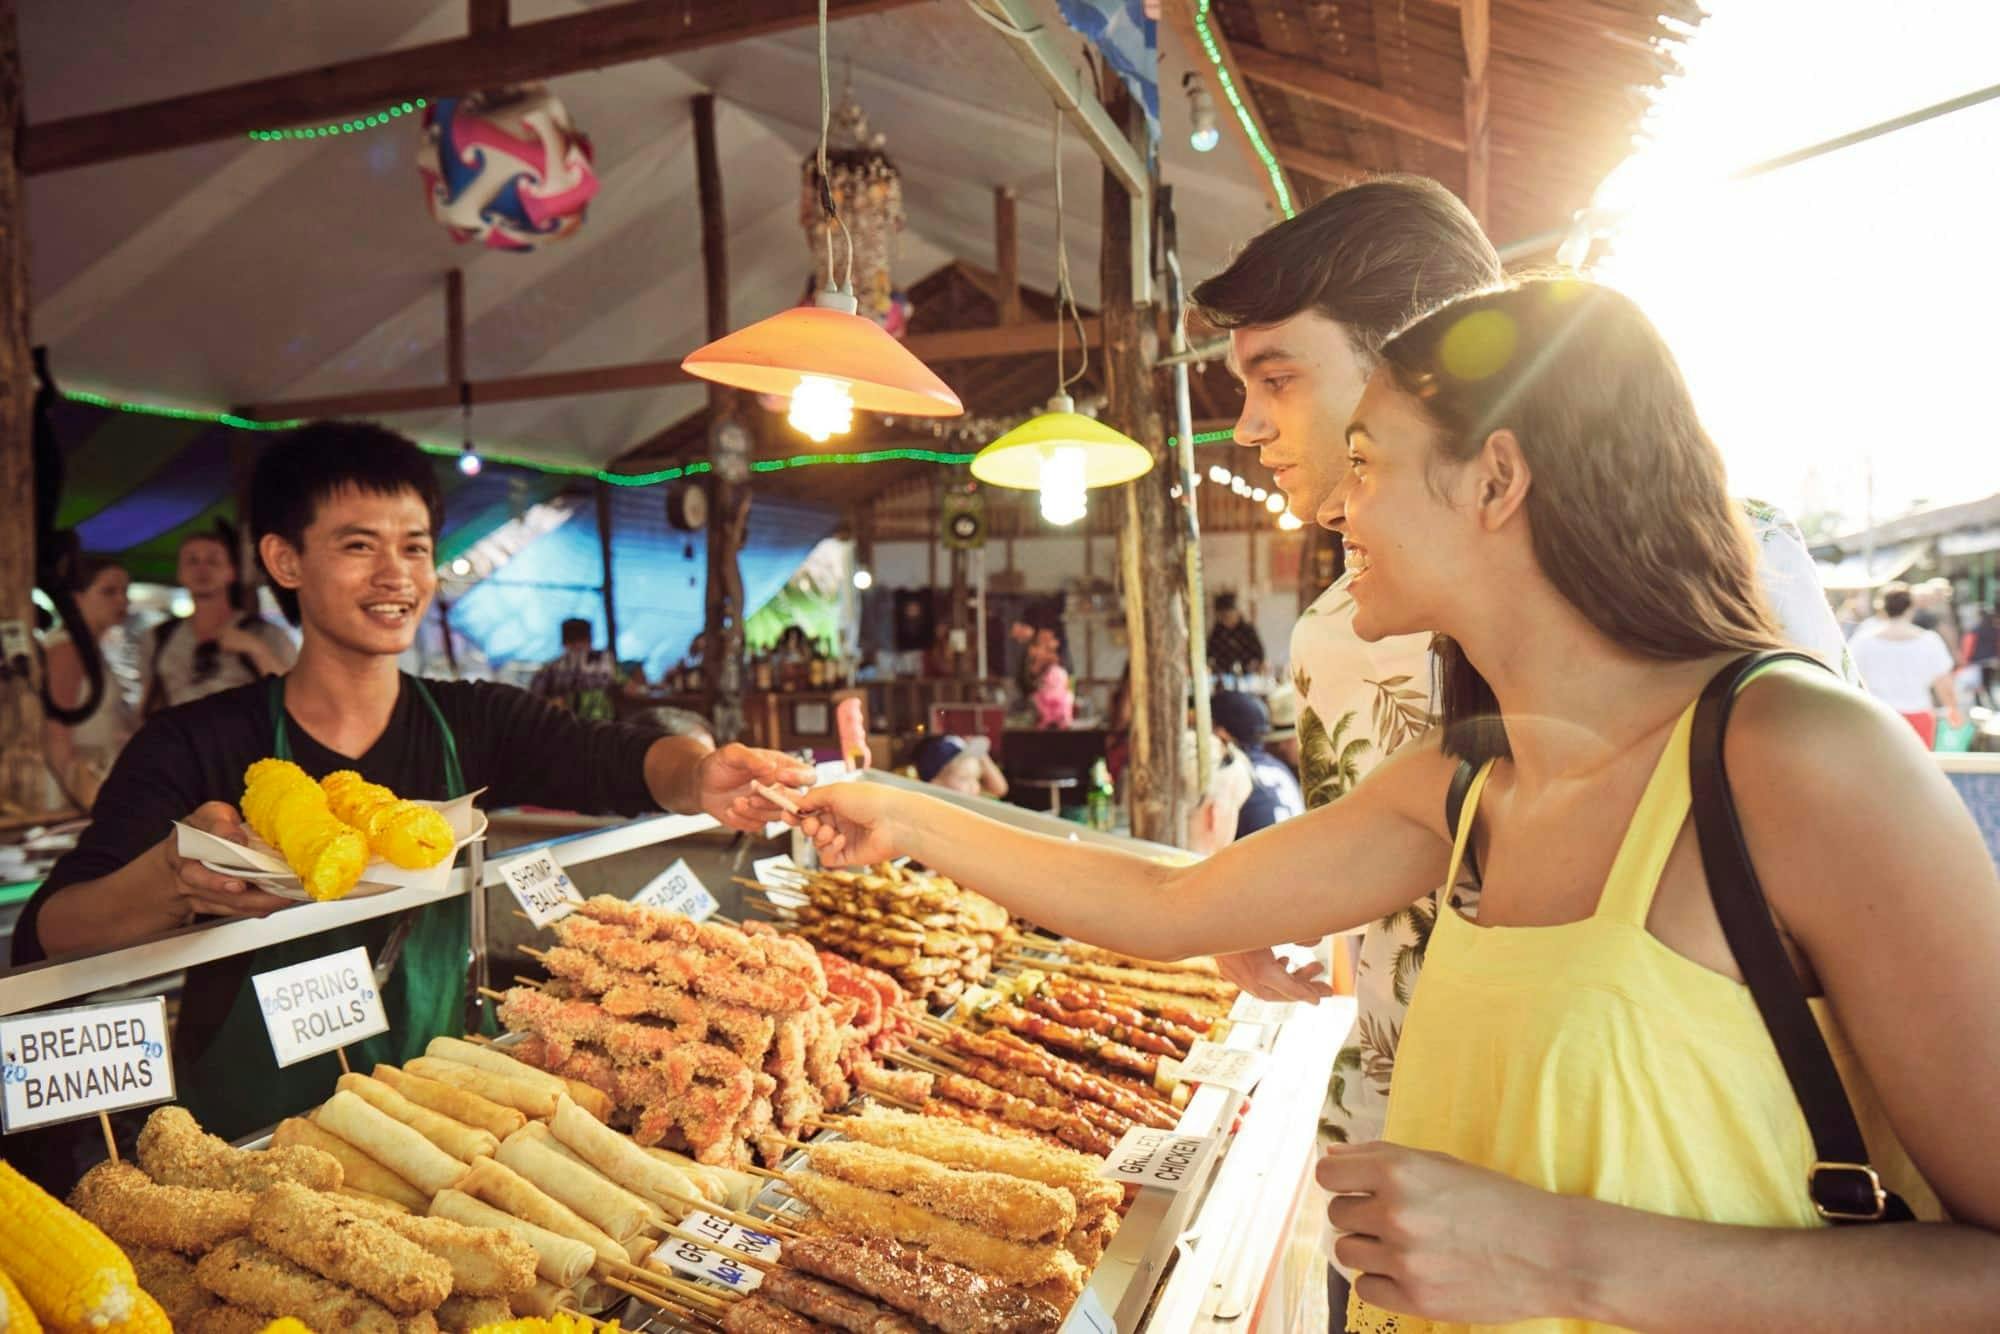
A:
(60, 1065)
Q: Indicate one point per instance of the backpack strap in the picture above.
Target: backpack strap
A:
(156, 693)
(1844, 1188)
(1454, 805)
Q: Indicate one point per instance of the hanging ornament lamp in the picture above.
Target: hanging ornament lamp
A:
(867, 192)
(1062, 454)
(825, 358)
(506, 168)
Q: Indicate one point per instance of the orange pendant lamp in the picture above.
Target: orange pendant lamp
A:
(825, 358)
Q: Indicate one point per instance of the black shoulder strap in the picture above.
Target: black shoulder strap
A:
(1844, 1188)
(1454, 804)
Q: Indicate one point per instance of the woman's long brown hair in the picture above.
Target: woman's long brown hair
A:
(1630, 516)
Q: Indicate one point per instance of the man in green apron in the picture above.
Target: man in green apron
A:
(345, 517)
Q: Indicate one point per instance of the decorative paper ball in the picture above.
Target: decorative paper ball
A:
(506, 168)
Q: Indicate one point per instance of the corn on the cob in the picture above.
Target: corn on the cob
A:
(411, 835)
(286, 1325)
(72, 1275)
(16, 1316)
(289, 811)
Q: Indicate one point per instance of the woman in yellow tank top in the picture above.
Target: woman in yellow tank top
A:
(1589, 1127)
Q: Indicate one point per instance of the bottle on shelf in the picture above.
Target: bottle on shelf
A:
(1098, 801)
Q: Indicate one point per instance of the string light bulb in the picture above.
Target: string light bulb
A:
(863, 580)
(1203, 135)
(1276, 504)
(1289, 522)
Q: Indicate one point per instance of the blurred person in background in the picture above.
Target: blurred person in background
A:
(80, 754)
(222, 643)
(1980, 649)
(1906, 666)
(1052, 698)
(1235, 649)
(1242, 721)
(581, 680)
(961, 764)
(1934, 611)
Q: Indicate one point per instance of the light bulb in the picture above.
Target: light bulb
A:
(1203, 136)
(1259, 494)
(468, 460)
(821, 408)
(1064, 494)
(1275, 504)
(1218, 474)
(863, 580)
(461, 567)
(1289, 522)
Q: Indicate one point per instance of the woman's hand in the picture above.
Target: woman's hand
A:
(1268, 975)
(1436, 1237)
(852, 824)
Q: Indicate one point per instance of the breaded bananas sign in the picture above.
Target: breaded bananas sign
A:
(60, 1065)
(313, 1007)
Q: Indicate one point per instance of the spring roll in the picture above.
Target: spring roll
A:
(389, 1142)
(560, 1260)
(719, 1185)
(485, 1261)
(494, 1060)
(544, 1299)
(529, 1099)
(336, 1242)
(462, 1315)
(456, 1103)
(504, 1188)
(357, 1170)
(612, 1208)
(456, 1138)
(619, 1158)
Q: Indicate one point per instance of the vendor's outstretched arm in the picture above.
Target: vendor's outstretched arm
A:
(1378, 850)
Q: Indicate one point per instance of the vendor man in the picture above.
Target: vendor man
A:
(346, 519)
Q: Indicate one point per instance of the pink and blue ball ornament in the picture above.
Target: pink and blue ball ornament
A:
(507, 168)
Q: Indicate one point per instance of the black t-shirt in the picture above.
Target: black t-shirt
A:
(519, 748)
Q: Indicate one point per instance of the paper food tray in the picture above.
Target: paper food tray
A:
(259, 863)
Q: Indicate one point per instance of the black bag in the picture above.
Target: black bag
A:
(1843, 1186)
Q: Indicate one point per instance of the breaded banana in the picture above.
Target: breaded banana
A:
(175, 1151)
(1004, 1205)
(462, 1315)
(242, 1272)
(485, 1261)
(337, 1242)
(135, 1211)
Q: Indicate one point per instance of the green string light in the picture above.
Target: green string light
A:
(1204, 437)
(452, 451)
(396, 111)
(1243, 116)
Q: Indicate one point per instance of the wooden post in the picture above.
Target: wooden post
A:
(729, 507)
(23, 775)
(454, 328)
(1151, 540)
(1475, 21)
(1007, 254)
(604, 551)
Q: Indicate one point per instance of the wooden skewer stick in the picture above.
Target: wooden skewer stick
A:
(895, 1101)
(695, 1295)
(754, 1224)
(658, 1297)
(490, 994)
(755, 1262)
(539, 956)
(479, 1039)
(915, 1063)
(764, 1172)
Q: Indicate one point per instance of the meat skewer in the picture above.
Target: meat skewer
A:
(1066, 1038)
(1097, 1021)
(935, 1291)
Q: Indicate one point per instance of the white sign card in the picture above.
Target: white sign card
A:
(1249, 1010)
(678, 889)
(1231, 1067)
(1161, 1159)
(540, 886)
(61, 1065)
(313, 1007)
(779, 872)
(718, 1265)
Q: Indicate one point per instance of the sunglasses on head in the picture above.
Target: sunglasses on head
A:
(207, 659)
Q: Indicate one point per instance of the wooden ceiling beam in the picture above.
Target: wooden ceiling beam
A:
(1006, 256)
(1475, 26)
(1181, 13)
(1320, 166)
(1318, 84)
(1013, 340)
(609, 35)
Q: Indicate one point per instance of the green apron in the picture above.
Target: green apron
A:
(235, 1087)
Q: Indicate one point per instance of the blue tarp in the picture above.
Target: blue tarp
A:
(658, 577)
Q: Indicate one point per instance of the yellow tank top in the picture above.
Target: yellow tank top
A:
(1590, 1059)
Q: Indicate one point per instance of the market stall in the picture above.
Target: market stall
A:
(623, 1042)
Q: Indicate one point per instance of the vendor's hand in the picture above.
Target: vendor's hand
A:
(851, 824)
(1437, 1237)
(724, 778)
(200, 891)
(1267, 976)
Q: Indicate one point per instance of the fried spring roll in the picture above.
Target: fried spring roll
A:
(530, 1099)
(456, 1103)
(616, 1211)
(504, 1188)
(620, 1159)
(494, 1060)
(336, 1242)
(456, 1138)
(135, 1211)
(358, 1171)
(389, 1142)
(561, 1260)
(543, 1299)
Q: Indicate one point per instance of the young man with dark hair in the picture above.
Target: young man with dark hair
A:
(346, 521)
(220, 644)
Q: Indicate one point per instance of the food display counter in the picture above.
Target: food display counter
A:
(1202, 1252)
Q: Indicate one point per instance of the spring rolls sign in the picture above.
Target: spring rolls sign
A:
(313, 1007)
(62, 1065)
(262, 865)
(541, 886)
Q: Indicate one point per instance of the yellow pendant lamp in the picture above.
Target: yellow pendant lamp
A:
(825, 358)
(1062, 453)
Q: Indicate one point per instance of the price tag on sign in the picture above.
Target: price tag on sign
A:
(61, 1065)
(721, 1263)
(540, 886)
(313, 1007)
(1249, 1010)
(677, 889)
(1231, 1067)
(1160, 1159)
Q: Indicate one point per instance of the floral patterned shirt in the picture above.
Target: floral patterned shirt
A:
(1359, 702)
